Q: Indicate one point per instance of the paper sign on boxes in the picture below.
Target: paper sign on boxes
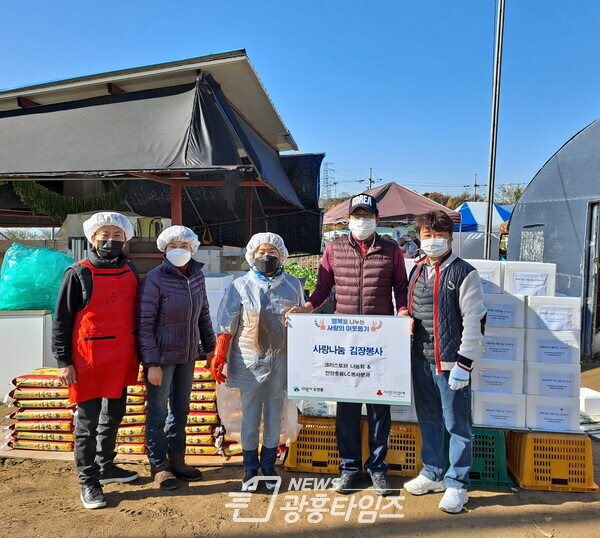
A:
(529, 278)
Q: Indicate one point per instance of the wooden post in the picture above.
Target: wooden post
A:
(176, 204)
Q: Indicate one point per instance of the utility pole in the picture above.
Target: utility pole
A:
(475, 185)
(370, 181)
(487, 240)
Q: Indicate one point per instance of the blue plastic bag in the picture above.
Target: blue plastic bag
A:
(31, 277)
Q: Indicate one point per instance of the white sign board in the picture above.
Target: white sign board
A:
(349, 358)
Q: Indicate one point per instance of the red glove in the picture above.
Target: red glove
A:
(220, 357)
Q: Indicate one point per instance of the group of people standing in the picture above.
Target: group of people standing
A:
(104, 321)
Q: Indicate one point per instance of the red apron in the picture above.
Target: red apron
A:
(104, 349)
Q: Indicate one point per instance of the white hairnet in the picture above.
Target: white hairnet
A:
(107, 218)
(270, 239)
(177, 233)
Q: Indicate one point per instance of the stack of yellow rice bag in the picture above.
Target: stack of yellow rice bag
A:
(131, 436)
(203, 416)
(44, 416)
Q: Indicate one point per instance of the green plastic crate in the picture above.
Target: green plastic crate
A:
(489, 467)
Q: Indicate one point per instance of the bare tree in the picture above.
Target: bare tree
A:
(509, 193)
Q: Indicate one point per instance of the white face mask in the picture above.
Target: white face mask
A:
(179, 256)
(362, 228)
(435, 247)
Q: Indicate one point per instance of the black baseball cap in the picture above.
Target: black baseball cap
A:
(363, 201)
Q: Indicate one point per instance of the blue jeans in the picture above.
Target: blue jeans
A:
(440, 409)
(175, 389)
(347, 430)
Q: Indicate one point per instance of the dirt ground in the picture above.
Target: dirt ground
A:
(41, 499)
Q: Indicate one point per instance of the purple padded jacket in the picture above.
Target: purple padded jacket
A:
(173, 315)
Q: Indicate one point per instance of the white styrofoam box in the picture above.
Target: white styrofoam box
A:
(501, 343)
(497, 376)
(208, 253)
(504, 310)
(552, 414)
(490, 272)
(555, 380)
(210, 257)
(409, 264)
(589, 401)
(217, 281)
(499, 410)
(553, 313)
(552, 347)
(403, 413)
(227, 249)
(529, 278)
(214, 300)
(236, 274)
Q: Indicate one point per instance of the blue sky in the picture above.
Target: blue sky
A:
(401, 86)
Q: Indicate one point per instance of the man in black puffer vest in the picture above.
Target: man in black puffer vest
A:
(364, 269)
(445, 301)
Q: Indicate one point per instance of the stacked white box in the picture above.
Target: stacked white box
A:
(589, 401)
(553, 313)
(216, 284)
(529, 278)
(217, 281)
(552, 380)
(490, 272)
(210, 257)
(497, 376)
(507, 344)
(552, 347)
(552, 414)
(499, 410)
(504, 310)
(214, 300)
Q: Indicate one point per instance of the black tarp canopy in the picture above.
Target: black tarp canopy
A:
(188, 135)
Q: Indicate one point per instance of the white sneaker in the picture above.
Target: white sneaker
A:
(422, 485)
(453, 500)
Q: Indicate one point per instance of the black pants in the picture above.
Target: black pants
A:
(347, 427)
(96, 424)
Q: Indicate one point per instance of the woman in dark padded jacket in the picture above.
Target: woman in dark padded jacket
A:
(173, 318)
